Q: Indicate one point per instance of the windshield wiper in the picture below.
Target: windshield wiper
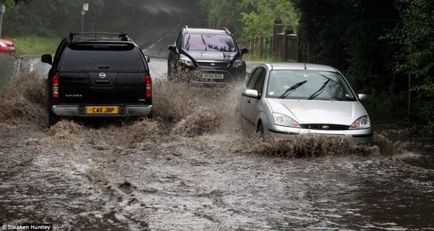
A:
(292, 88)
(203, 40)
(317, 93)
(187, 45)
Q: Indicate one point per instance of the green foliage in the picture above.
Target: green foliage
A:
(347, 34)
(223, 13)
(416, 34)
(377, 44)
(259, 21)
(11, 3)
(8, 3)
(249, 17)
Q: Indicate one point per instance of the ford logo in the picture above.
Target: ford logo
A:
(102, 75)
(325, 127)
(212, 64)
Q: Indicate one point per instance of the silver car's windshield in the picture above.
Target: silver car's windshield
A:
(309, 85)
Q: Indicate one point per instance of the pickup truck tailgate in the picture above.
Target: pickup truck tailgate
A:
(102, 88)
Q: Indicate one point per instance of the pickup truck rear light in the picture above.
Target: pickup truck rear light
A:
(56, 86)
(148, 87)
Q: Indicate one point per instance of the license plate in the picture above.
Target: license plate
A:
(213, 76)
(112, 110)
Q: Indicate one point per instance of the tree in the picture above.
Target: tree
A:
(249, 17)
(377, 43)
(416, 37)
(259, 20)
(10, 3)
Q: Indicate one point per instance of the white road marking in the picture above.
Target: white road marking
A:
(153, 45)
(161, 39)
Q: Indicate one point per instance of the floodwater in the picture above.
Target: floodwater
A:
(193, 168)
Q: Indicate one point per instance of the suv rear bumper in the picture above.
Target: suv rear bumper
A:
(78, 111)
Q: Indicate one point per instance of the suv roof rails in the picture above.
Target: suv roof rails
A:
(227, 31)
(98, 36)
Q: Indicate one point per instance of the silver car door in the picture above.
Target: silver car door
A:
(252, 104)
(250, 84)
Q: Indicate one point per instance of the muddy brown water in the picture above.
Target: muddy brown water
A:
(192, 168)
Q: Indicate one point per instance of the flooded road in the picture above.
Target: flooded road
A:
(193, 168)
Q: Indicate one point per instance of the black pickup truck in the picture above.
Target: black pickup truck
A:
(98, 75)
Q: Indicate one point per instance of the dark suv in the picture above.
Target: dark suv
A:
(98, 75)
(213, 53)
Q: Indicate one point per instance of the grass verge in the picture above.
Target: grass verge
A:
(35, 45)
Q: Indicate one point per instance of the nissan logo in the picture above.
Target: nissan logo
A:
(102, 75)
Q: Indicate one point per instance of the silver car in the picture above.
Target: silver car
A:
(287, 99)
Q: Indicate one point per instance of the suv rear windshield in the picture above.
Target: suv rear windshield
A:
(209, 42)
(102, 57)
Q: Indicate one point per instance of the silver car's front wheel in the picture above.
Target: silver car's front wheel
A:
(260, 131)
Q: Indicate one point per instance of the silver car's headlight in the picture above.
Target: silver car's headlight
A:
(284, 120)
(185, 60)
(362, 123)
(238, 63)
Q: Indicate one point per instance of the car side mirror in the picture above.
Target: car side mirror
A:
(251, 93)
(244, 51)
(173, 48)
(362, 97)
(47, 58)
(147, 58)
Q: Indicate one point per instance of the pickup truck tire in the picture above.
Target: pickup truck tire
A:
(52, 119)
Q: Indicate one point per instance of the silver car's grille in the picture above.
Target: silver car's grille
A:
(333, 127)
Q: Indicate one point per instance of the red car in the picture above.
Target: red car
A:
(6, 46)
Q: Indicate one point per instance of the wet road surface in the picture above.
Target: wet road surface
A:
(196, 169)
(173, 174)
(80, 176)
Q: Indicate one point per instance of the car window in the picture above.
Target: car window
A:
(259, 84)
(314, 85)
(253, 77)
(208, 42)
(90, 59)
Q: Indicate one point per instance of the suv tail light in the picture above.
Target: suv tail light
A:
(148, 86)
(56, 86)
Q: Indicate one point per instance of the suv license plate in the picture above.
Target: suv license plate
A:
(112, 110)
(213, 76)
